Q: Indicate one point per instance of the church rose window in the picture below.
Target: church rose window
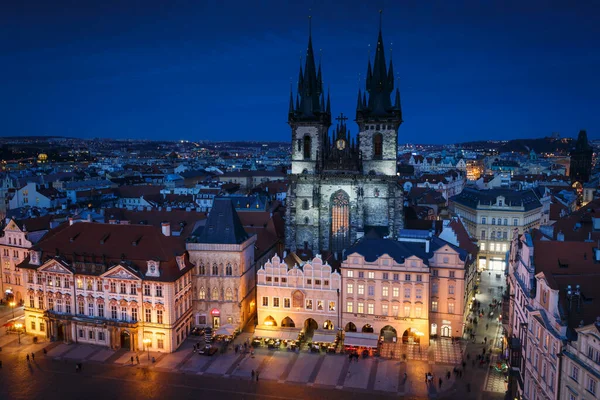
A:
(340, 222)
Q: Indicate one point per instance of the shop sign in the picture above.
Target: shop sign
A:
(401, 318)
(215, 312)
(445, 321)
(381, 317)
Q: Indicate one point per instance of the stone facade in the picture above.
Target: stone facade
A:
(224, 279)
(373, 201)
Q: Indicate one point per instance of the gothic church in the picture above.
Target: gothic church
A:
(342, 187)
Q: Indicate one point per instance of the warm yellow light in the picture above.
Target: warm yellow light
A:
(268, 323)
(147, 341)
(18, 326)
(12, 304)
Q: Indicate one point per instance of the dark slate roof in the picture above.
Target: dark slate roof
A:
(223, 225)
(372, 249)
(472, 197)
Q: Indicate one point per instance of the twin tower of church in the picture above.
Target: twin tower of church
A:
(343, 188)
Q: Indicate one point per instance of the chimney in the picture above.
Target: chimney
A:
(560, 236)
(427, 246)
(89, 217)
(70, 220)
(166, 228)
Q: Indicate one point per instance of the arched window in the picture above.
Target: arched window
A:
(202, 269)
(377, 145)
(340, 221)
(505, 221)
(305, 204)
(229, 295)
(306, 220)
(215, 269)
(202, 294)
(228, 270)
(307, 147)
(493, 221)
(215, 294)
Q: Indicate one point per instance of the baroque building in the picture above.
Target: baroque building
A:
(340, 186)
(109, 284)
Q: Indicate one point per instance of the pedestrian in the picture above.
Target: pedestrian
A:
(252, 374)
(440, 383)
(257, 373)
(405, 374)
(32, 356)
(45, 352)
(80, 366)
(487, 326)
(448, 375)
(485, 340)
(137, 359)
(77, 367)
(426, 376)
(27, 357)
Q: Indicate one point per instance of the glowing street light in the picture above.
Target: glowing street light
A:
(18, 327)
(12, 304)
(147, 343)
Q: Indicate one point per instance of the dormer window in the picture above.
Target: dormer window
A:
(153, 269)
(181, 262)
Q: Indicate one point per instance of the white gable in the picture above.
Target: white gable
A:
(119, 272)
(54, 267)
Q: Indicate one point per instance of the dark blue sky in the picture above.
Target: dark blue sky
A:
(221, 70)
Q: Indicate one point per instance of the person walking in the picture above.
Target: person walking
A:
(137, 360)
(252, 374)
(77, 367)
(485, 340)
(27, 357)
(440, 383)
(32, 357)
(257, 373)
(131, 360)
(405, 375)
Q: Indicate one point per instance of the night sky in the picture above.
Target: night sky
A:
(221, 70)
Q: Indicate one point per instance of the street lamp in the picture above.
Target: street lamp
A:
(147, 343)
(420, 335)
(13, 304)
(18, 328)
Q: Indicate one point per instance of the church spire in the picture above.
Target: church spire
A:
(328, 110)
(379, 83)
(291, 108)
(312, 104)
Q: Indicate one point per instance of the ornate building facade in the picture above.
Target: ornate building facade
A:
(341, 186)
(225, 276)
(301, 296)
(111, 285)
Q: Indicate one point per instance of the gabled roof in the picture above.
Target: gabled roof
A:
(223, 225)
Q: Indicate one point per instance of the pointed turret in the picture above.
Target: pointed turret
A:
(328, 110)
(291, 108)
(359, 105)
(379, 86)
(397, 105)
(310, 89)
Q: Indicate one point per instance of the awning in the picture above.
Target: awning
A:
(289, 334)
(12, 321)
(361, 339)
(323, 338)
(264, 333)
(227, 330)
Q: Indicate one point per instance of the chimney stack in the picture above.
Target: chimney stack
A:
(166, 228)
(70, 220)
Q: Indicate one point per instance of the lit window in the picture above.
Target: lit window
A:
(395, 292)
(350, 274)
(349, 288)
(349, 306)
(361, 289)
(384, 291)
(371, 275)
(361, 308)
(384, 309)
(371, 308)
(434, 306)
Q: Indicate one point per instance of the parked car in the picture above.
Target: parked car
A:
(208, 350)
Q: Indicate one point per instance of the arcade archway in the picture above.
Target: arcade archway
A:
(350, 327)
(287, 322)
(389, 334)
(270, 321)
(367, 328)
(411, 336)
